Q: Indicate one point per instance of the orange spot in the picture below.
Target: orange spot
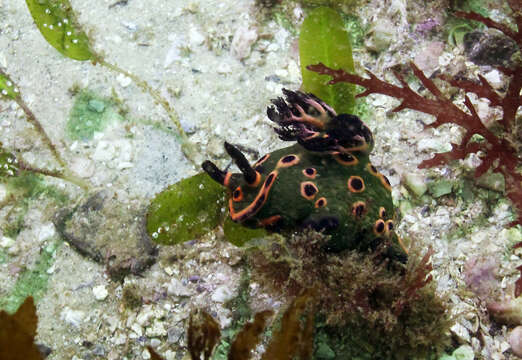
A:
(308, 190)
(270, 220)
(389, 226)
(356, 184)
(237, 195)
(382, 212)
(385, 182)
(379, 227)
(258, 201)
(262, 160)
(345, 159)
(287, 161)
(310, 173)
(372, 170)
(358, 209)
(321, 202)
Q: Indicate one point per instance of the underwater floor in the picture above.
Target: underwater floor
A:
(72, 226)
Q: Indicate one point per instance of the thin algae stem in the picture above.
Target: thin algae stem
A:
(34, 121)
(186, 145)
(64, 175)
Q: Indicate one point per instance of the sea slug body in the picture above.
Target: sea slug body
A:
(324, 181)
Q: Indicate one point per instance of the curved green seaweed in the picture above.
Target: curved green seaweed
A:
(186, 210)
(323, 39)
(55, 20)
(191, 208)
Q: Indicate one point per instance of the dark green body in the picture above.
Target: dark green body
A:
(325, 181)
(285, 199)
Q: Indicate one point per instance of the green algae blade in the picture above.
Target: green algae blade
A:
(7, 87)
(55, 20)
(186, 210)
(238, 234)
(323, 39)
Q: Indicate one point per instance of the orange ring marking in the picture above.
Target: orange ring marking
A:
(372, 170)
(257, 203)
(262, 160)
(239, 195)
(350, 185)
(385, 182)
(321, 202)
(351, 160)
(355, 209)
(378, 224)
(313, 173)
(387, 226)
(282, 164)
(305, 185)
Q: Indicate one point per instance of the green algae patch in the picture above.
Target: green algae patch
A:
(440, 188)
(186, 210)
(32, 282)
(56, 21)
(31, 186)
(238, 234)
(323, 39)
(89, 114)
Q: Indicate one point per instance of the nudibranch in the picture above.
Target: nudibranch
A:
(325, 181)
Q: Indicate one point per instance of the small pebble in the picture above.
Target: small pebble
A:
(96, 105)
(177, 288)
(145, 354)
(515, 341)
(100, 292)
(222, 294)
(155, 343)
(494, 79)
(242, 42)
(195, 37)
(6, 242)
(224, 68)
(416, 184)
(72, 317)
(123, 80)
(46, 232)
(83, 167)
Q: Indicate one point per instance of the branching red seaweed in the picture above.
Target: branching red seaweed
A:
(500, 153)
(418, 278)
